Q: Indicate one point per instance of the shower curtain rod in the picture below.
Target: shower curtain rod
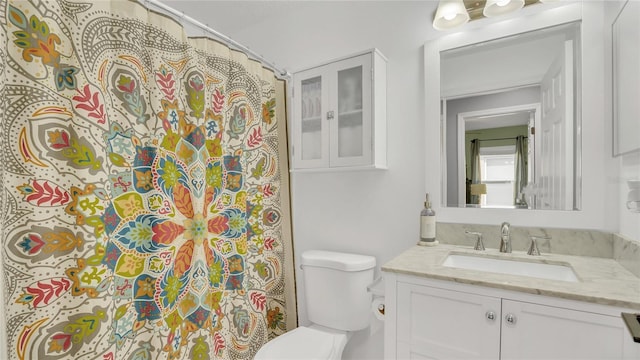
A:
(280, 73)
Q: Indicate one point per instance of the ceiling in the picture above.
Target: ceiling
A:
(229, 17)
(233, 17)
(497, 120)
(251, 22)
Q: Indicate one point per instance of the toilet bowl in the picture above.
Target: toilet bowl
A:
(313, 342)
(335, 288)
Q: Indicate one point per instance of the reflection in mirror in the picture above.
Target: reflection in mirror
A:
(512, 121)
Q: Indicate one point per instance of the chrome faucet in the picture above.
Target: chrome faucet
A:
(505, 238)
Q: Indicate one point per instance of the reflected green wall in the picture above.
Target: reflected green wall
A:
(494, 133)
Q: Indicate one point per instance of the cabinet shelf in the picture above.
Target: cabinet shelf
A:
(311, 125)
(350, 119)
(350, 112)
(315, 118)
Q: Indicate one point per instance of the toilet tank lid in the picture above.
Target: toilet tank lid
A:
(337, 260)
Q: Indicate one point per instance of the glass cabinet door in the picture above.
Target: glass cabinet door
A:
(351, 132)
(311, 118)
(350, 112)
(311, 128)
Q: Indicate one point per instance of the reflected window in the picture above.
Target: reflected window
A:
(497, 164)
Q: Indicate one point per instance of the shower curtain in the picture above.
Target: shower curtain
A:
(145, 200)
(520, 176)
(474, 168)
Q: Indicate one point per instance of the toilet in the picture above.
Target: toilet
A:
(337, 304)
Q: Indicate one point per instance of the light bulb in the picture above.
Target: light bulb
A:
(501, 7)
(450, 16)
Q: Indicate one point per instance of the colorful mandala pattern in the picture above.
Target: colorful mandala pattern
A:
(141, 188)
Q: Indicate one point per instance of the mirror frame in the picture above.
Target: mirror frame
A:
(591, 181)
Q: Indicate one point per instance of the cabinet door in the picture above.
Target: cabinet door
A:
(351, 106)
(546, 332)
(442, 324)
(310, 125)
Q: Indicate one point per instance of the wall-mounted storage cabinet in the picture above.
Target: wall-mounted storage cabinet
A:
(339, 114)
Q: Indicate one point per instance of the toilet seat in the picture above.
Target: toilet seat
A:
(305, 343)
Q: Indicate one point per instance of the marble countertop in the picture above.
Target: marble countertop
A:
(602, 281)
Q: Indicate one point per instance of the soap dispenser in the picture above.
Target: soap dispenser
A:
(427, 225)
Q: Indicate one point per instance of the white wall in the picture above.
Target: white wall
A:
(375, 212)
(625, 167)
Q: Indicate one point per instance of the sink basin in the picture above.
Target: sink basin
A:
(511, 267)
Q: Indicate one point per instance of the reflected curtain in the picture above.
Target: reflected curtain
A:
(145, 195)
(474, 175)
(521, 177)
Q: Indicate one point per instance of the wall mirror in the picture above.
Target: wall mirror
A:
(511, 121)
(626, 88)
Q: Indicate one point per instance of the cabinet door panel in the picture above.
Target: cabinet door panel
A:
(546, 332)
(311, 132)
(351, 133)
(405, 351)
(350, 116)
(442, 324)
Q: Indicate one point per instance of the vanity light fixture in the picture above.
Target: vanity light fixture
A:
(453, 13)
(450, 14)
(501, 7)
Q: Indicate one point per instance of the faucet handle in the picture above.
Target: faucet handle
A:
(533, 247)
(505, 228)
(478, 235)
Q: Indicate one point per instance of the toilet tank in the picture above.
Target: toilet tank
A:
(336, 288)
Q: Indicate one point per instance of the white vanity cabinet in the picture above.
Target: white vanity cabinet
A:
(339, 114)
(435, 323)
(433, 319)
